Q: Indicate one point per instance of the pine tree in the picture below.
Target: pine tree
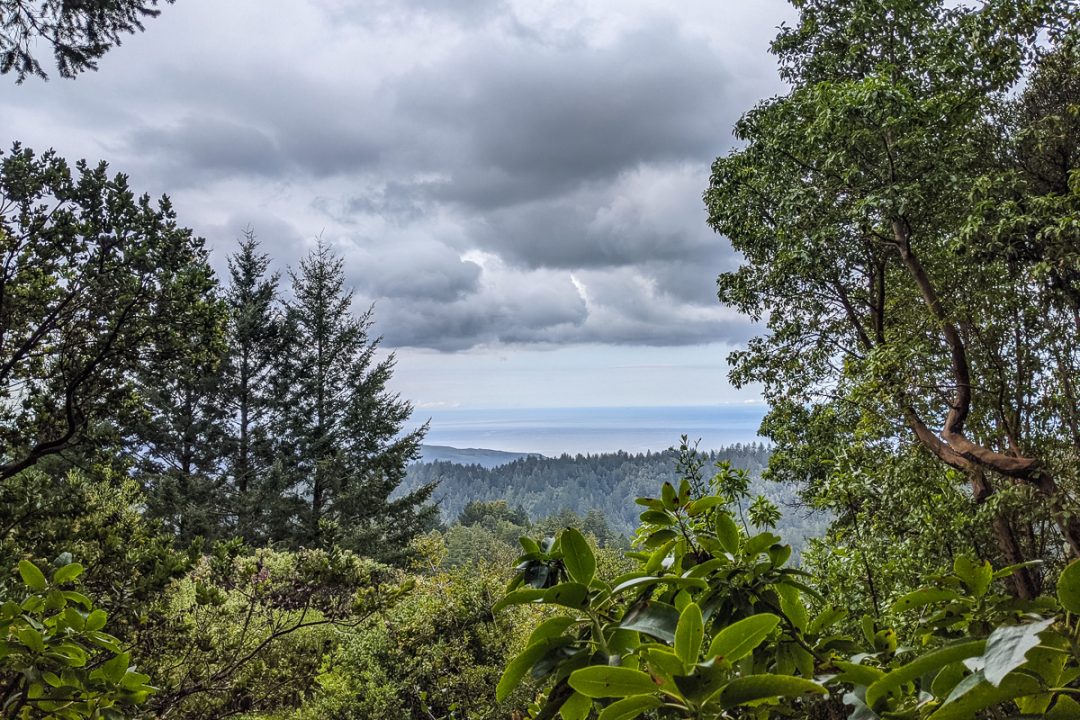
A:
(344, 446)
(248, 392)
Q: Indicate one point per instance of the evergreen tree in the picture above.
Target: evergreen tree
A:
(342, 429)
(248, 393)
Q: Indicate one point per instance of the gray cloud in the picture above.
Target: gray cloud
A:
(494, 171)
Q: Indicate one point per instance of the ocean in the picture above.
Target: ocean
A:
(554, 431)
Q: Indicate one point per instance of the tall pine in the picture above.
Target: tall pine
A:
(248, 393)
(342, 428)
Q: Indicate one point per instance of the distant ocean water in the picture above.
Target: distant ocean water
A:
(553, 431)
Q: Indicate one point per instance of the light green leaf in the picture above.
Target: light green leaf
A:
(792, 605)
(930, 662)
(67, 573)
(1068, 588)
(760, 687)
(31, 576)
(576, 707)
(740, 638)
(727, 532)
(568, 594)
(666, 579)
(577, 556)
(516, 668)
(923, 597)
(518, 597)
(629, 708)
(552, 627)
(600, 681)
(689, 634)
(976, 575)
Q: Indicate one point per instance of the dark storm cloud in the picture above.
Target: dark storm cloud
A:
(530, 120)
(494, 172)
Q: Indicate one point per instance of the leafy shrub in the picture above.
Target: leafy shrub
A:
(55, 659)
(436, 654)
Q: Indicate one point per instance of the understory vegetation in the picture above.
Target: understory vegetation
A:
(206, 502)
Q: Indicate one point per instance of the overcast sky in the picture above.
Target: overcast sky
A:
(515, 185)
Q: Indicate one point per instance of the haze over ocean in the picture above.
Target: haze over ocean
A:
(553, 431)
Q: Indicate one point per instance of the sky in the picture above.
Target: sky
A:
(516, 186)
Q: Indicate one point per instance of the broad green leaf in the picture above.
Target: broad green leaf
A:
(577, 556)
(654, 579)
(702, 504)
(576, 707)
(96, 620)
(601, 681)
(629, 708)
(793, 606)
(31, 576)
(976, 575)
(727, 532)
(31, 638)
(653, 618)
(1007, 648)
(974, 693)
(669, 496)
(857, 674)
(552, 627)
(115, 669)
(1068, 588)
(529, 545)
(923, 597)
(689, 634)
(1065, 708)
(760, 687)
(930, 662)
(740, 638)
(516, 668)
(656, 517)
(702, 684)
(67, 573)
(569, 594)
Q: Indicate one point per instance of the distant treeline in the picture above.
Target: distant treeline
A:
(607, 482)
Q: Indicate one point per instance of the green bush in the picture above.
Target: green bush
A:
(55, 659)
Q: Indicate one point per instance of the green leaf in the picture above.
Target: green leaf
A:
(760, 687)
(529, 545)
(652, 618)
(977, 576)
(31, 638)
(857, 674)
(67, 573)
(703, 683)
(668, 495)
(576, 707)
(601, 681)
(645, 580)
(727, 532)
(792, 605)
(740, 638)
(568, 594)
(115, 669)
(516, 668)
(1007, 649)
(974, 693)
(689, 634)
(552, 627)
(629, 708)
(32, 577)
(577, 556)
(923, 665)
(656, 517)
(1068, 588)
(923, 597)
(96, 620)
(702, 504)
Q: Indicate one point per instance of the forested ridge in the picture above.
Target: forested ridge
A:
(606, 483)
(210, 505)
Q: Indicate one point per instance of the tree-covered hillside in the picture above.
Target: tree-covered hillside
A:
(608, 482)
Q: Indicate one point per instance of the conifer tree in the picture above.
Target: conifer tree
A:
(343, 443)
(247, 391)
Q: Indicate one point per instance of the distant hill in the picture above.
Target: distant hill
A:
(470, 456)
(607, 482)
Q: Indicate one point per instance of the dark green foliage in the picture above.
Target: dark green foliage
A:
(341, 438)
(248, 393)
(97, 279)
(79, 33)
